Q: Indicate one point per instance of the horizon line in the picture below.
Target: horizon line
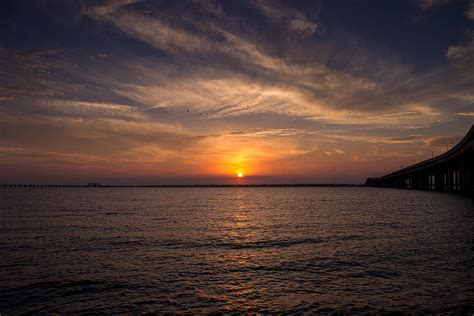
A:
(98, 185)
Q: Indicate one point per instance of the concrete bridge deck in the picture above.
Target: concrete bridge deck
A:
(452, 171)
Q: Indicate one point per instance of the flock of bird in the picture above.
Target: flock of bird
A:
(210, 112)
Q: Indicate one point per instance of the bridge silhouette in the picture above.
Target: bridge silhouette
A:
(452, 171)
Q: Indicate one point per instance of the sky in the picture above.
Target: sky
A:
(195, 92)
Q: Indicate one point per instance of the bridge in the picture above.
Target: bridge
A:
(452, 171)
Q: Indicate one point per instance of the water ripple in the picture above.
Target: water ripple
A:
(236, 251)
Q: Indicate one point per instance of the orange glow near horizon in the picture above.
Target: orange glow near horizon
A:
(237, 164)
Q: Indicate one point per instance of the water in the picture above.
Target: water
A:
(314, 250)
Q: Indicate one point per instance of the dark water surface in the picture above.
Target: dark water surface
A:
(314, 250)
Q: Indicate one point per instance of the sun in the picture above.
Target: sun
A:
(240, 174)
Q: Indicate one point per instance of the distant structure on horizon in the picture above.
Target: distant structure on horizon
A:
(452, 171)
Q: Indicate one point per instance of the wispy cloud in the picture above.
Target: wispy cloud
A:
(431, 4)
(461, 51)
(470, 11)
(466, 113)
(109, 7)
(202, 81)
(295, 20)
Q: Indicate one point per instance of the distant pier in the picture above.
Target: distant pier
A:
(89, 185)
(452, 171)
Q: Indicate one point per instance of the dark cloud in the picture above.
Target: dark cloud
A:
(446, 141)
(36, 53)
(431, 4)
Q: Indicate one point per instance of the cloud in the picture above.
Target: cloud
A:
(35, 53)
(236, 96)
(10, 92)
(466, 113)
(219, 44)
(431, 4)
(104, 137)
(470, 11)
(228, 94)
(303, 26)
(90, 109)
(204, 39)
(159, 34)
(443, 141)
(111, 6)
(295, 20)
(455, 52)
(461, 52)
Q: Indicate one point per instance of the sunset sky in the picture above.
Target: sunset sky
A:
(184, 92)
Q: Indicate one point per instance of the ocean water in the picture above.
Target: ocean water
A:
(235, 250)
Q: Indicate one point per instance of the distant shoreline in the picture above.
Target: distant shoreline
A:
(176, 185)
